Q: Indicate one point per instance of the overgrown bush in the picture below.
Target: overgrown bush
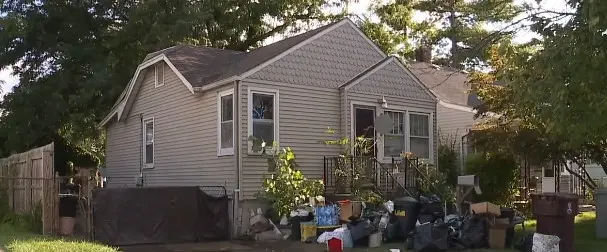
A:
(497, 172)
(287, 188)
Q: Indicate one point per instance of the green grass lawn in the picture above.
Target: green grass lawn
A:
(15, 240)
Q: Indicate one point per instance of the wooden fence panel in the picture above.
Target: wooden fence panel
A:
(30, 182)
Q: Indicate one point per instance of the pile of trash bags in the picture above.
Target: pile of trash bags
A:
(452, 232)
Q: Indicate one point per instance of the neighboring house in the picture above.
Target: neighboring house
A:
(186, 116)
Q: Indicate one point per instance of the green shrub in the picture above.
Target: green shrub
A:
(287, 188)
(497, 173)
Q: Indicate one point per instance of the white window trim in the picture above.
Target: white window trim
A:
(276, 110)
(405, 135)
(225, 151)
(407, 111)
(430, 137)
(159, 69)
(143, 141)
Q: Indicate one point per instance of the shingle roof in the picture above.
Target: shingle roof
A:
(205, 65)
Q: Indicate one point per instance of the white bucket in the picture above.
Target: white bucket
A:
(375, 240)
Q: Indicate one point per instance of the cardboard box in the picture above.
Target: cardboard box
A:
(497, 233)
(348, 209)
(486, 208)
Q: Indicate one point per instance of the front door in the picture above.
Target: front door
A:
(364, 125)
(548, 179)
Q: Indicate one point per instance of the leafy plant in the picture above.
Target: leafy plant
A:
(498, 176)
(433, 181)
(287, 188)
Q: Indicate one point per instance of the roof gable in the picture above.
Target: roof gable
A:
(390, 77)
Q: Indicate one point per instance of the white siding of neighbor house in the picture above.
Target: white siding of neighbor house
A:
(453, 124)
(310, 102)
(185, 136)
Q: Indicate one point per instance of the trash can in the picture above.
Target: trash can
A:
(555, 214)
(508, 213)
(406, 210)
(600, 200)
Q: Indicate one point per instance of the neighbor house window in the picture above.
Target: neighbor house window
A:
(225, 105)
(394, 142)
(263, 116)
(159, 74)
(148, 142)
(419, 138)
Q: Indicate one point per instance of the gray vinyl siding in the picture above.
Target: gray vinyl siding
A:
(453, 124)
(393, 80)
(329, 61)
(310, 102)
(394, 103)
(304, 116)
(185, 138)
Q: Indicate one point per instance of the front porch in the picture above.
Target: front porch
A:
(343, 176)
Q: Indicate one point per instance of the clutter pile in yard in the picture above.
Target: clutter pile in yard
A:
(424, 224)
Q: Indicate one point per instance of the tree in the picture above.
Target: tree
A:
(563, 85)
(75, 57)
(457, 24)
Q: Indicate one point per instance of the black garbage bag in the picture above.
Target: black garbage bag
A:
(431, 237)
(474, 232)
(360, 230)
(525, 244)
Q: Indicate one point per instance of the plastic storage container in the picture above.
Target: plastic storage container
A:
(555, 214)
(406, 209)
(600, 199)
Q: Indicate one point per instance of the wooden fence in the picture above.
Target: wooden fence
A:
(29, 181)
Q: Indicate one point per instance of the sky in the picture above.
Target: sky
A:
(360, 8)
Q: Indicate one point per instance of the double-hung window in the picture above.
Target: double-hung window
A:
(410, 133)
(148, 143)
(263, 116)
(419, 126)
(394, 142)
(225, 105)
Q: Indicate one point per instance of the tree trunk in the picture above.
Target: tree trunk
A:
(453, 61)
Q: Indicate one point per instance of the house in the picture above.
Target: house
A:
(186, 115)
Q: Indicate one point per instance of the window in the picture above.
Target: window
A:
(148, 142)
(225, 105)
(263, 116)
(394, 142)
(159, 74)
(419, 139)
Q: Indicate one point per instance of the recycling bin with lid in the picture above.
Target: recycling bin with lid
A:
(555, 214)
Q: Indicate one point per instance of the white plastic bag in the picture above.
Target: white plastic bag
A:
(389, 205)
(545, 243)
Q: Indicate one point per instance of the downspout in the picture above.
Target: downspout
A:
(461, 154)
(140, 178)
(237, 215)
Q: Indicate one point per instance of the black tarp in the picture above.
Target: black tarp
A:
(150, 215)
